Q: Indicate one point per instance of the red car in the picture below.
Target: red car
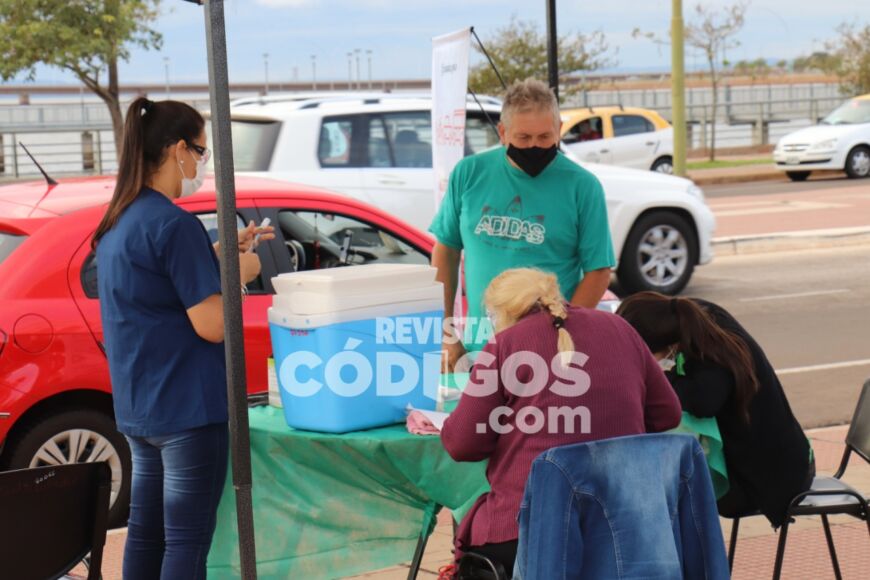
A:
(55, 395)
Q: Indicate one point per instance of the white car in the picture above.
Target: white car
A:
(377, 148)
(841, 142)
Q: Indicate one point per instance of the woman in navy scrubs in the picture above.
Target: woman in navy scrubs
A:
(159, 283)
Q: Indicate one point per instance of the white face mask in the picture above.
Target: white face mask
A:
(189, 185)
(669, 361)
(667, 364)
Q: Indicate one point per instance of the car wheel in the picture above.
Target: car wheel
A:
(664, 165)
(858, 162)
(798, 175)
(79, 436)
(660, 254)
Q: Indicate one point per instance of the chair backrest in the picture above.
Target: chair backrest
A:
(633, 506)
(51, 518)
(474, 566)
(858, 437)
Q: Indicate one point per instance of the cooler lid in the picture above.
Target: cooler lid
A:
(365, 279)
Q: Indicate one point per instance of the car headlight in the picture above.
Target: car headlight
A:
(822, 145)
(695, 191)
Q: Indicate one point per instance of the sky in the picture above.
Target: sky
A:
(399, 33)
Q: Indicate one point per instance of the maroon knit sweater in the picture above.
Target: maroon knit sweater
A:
(628, 394)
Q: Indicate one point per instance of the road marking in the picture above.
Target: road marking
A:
(744, 204)
(786, 207)
(825, 367)
(796, 295)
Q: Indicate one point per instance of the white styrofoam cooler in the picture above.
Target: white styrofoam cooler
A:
(355, 345)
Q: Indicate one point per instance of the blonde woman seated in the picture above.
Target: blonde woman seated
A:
(552, 375)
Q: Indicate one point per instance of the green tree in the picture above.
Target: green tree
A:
(85, 37)
(824, 62)
(852, 58)
(519, 50)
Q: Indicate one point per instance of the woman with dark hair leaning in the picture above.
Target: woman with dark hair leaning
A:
(718, 370)
(159, 283)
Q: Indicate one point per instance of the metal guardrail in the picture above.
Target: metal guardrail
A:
(65, 150)
(76, 137)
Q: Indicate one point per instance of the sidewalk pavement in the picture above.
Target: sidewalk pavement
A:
(806, 554)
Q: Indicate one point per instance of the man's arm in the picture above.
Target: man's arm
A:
(591, 288)
(446, 260)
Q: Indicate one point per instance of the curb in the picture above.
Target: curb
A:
(701, 179)
(791, 241)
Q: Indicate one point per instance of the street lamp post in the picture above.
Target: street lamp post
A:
(369, 54)
(678, 88)
(313, 72)
(552, 48)
(356, 51)
(350, 71)
(166, 68)
(266, 72)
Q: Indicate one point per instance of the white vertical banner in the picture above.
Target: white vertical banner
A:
(449, 93)
(450, 53)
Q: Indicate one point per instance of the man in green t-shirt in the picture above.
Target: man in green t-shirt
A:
(521, 205)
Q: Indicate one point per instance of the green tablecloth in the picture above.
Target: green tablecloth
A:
(327, 506)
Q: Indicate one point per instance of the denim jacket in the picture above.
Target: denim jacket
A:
(625, 508)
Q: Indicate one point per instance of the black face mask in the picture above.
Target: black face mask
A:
(532, 160)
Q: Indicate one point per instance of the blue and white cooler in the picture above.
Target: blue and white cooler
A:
(355, 346)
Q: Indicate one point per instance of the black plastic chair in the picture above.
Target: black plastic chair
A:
(474, 566)
(828, 495)
(52, 518)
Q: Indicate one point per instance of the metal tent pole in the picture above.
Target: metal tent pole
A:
(234, 346)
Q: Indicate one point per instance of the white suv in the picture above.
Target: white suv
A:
(376, 147)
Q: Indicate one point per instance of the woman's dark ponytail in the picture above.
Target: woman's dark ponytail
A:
(149, 128)
(662, 321)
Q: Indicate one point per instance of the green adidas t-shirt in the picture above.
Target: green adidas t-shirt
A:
(502, 218)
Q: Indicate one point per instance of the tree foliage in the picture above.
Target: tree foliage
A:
(85, 37)
(818, 61)
(519, 51)
(852, 58)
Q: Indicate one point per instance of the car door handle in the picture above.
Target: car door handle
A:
(605, 150)
(650, 143)
(391, 181)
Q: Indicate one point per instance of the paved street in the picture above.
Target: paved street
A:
(764, 208)
(806, 309)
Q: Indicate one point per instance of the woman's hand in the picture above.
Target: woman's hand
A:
(247, 236)
(249, 267)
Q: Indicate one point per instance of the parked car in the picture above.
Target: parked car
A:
(840, 142)
(55, 393)
(625, 136)
(377, 148)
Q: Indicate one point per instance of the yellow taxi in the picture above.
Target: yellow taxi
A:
(617, 135)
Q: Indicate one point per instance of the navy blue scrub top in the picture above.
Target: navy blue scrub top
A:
(154, 264)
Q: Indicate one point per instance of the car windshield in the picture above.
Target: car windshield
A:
(253, 144)
(8, 243)
(852, 112)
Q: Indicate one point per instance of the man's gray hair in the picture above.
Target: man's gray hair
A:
(528, 95)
